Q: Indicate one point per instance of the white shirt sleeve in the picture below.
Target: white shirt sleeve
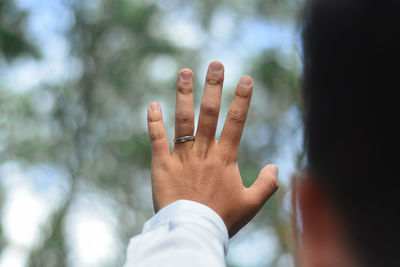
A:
(184, 233)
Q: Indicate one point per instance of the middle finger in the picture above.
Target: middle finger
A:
(210, 104)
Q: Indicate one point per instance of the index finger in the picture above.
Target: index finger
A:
(236, 118)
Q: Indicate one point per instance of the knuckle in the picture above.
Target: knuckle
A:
(237, 118)
(214, 79)
(210, 167)
(274, 184)
(210, 109)
(184, 117)
(156, 135)
(184, 88)
(243, 92)
(229, 159)
(153, 119)
(159, 164)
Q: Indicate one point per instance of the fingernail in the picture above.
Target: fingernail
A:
(245, 81)
(186, 76)
(216, 67)
(155, 106)
(274, 169)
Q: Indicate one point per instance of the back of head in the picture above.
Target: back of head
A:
(351, 70)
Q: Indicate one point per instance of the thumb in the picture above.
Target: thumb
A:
(265, 185)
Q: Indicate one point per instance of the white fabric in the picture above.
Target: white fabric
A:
(184, 233)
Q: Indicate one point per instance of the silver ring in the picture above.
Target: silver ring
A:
(184, 139)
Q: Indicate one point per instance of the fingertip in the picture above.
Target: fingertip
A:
(275, 171)
(154, 107)
(185, 70)
(273, 168)
(246, 81)
(271, 172)
(186, 75)
(154, 112)
(245, 87)
(216, 62)
(216, 67)
(265, 185)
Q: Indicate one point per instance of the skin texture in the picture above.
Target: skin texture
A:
(206, 170)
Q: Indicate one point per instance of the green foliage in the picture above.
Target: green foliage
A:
(2, 241)
(137, 147)
(13, 41)
(32, 150)
(55, 252)
(249, 172)
(281, 81)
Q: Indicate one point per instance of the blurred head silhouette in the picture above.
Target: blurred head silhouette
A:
(347, 194)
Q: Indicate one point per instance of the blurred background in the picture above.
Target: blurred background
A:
(75, 80)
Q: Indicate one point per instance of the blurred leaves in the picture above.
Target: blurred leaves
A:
(13, 39)
(2, 240)
(137, 147)
(281, 81)
(249, 172)
(53, 250)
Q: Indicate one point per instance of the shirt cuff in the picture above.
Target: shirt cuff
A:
(188, 211)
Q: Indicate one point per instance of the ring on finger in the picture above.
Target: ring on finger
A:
(184, 139)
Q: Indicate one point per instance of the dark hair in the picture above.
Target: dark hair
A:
(351, 51)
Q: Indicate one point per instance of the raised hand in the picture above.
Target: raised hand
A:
(204, 169)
